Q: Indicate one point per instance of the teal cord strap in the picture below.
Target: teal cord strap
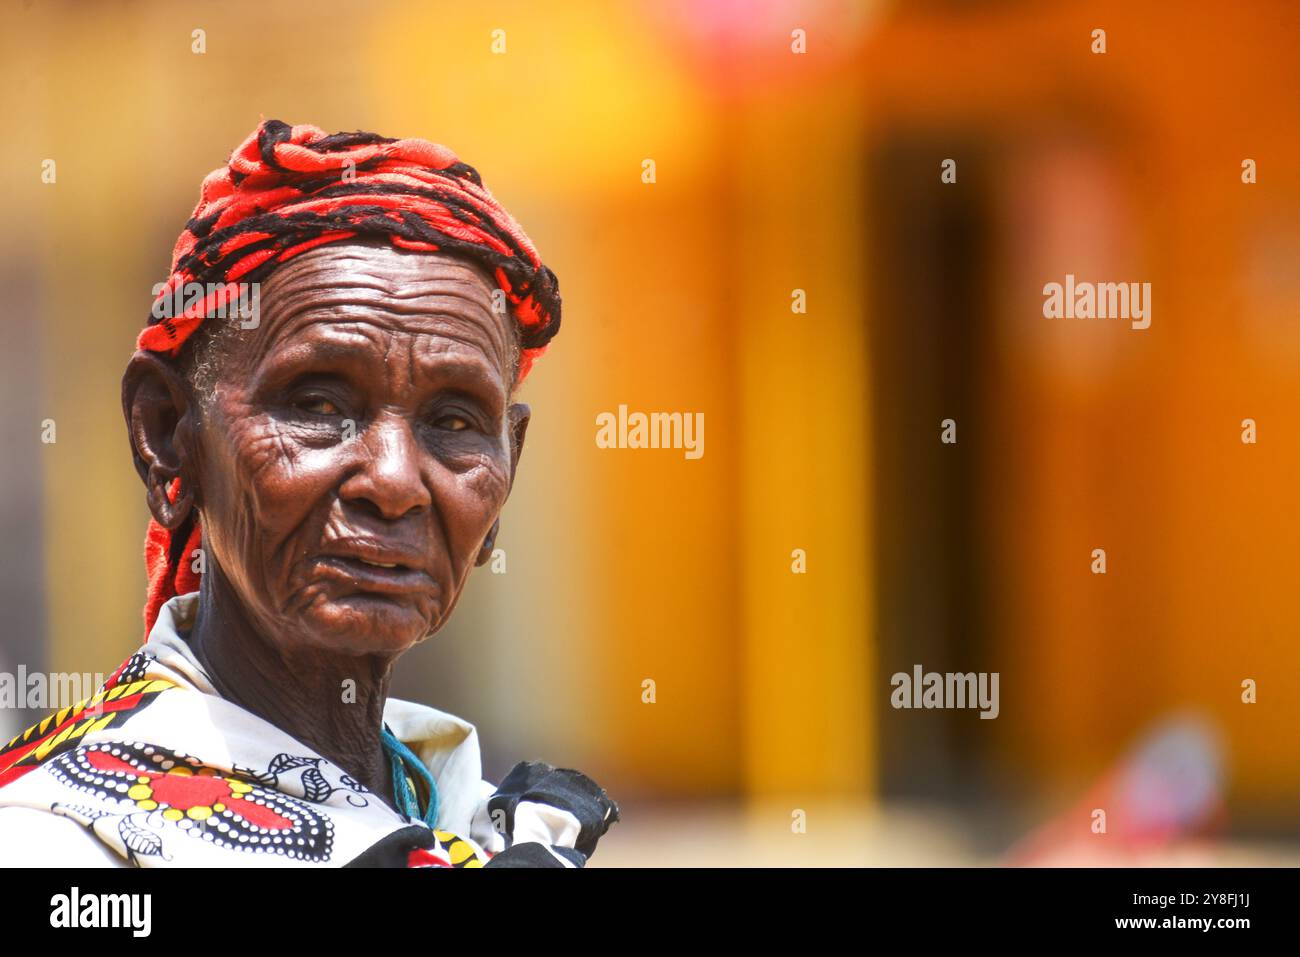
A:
(405, 763)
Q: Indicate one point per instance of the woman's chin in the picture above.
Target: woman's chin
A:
(366, 623)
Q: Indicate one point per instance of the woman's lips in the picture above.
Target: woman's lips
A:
(370, 574)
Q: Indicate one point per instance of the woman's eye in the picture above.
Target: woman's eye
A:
(318, 405)
(453, 423)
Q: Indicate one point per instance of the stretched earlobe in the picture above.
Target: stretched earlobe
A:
(170, 499)
(489, 544)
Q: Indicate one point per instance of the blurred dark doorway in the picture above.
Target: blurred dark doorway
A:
(931, 331)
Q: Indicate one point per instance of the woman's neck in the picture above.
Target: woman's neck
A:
(332, 703)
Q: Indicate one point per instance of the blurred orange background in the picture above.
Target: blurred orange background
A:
(775, 171)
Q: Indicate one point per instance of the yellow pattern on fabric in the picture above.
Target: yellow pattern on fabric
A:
(459, 851)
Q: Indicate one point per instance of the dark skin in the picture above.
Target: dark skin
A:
(349, 471)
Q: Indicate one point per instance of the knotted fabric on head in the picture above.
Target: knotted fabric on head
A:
(288, 189)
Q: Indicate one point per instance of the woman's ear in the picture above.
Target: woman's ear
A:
(518, 416)
(159, 416)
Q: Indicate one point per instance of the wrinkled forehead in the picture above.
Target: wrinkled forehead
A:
(370, 295)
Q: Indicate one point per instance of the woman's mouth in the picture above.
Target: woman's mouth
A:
(375, 575)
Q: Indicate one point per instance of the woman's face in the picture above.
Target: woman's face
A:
(359, 446)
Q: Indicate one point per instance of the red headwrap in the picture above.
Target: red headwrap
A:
(290, 189)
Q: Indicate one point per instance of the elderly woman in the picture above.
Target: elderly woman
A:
(324, 470)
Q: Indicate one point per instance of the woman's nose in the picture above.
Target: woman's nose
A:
(390, 478)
